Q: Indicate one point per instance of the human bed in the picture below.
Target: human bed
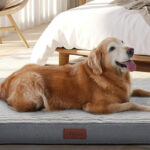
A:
(79, 30)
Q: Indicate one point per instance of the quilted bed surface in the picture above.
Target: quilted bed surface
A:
(7, 115)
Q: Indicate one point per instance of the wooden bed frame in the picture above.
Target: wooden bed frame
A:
(142, 62)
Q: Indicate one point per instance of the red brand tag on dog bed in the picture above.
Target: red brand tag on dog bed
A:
(74, 133)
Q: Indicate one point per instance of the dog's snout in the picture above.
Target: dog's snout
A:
(130, 52)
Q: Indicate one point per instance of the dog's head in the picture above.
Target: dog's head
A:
(111, 54)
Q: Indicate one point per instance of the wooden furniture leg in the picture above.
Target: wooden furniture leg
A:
(63, 59)
(18, 30)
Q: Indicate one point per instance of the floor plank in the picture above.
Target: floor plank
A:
(12, 43)
(74, 147)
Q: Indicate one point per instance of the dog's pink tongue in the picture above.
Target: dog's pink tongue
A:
(131, 66)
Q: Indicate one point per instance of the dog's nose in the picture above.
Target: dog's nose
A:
(130, 52)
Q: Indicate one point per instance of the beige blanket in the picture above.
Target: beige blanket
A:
(143, 6)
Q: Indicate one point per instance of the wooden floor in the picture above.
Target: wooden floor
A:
(12, 45)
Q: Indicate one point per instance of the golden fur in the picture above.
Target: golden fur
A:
(93, 85)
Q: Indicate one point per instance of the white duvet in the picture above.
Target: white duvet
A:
(86, 26)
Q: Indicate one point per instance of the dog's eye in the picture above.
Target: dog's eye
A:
(111, 49)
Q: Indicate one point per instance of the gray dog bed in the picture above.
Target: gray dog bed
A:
(76, 126)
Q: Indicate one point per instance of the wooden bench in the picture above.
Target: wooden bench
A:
(142, 62)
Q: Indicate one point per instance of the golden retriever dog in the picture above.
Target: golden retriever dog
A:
(101, 84)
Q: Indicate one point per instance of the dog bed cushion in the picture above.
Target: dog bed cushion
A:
(76, 126)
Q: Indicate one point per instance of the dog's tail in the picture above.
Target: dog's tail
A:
(2, 91)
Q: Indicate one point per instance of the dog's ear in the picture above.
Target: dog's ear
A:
(95, 62)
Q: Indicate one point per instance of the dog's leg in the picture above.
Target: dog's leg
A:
(94, 108)
(140, 93)
(28, 93)
(113, 108)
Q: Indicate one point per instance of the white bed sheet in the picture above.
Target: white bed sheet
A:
(86, 26)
